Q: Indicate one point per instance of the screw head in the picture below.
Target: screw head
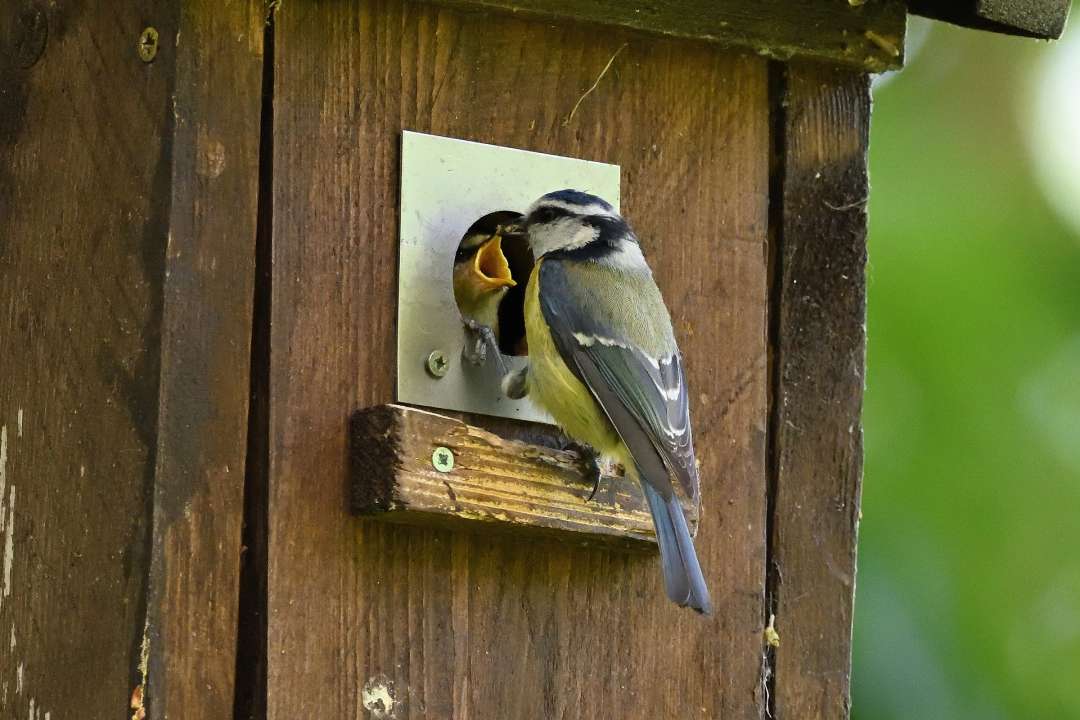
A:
(437, 363)
(148, 44)
(442, 459)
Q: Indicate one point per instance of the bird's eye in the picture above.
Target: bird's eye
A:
(544, 215)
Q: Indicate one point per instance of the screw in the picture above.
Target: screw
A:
(148, 44)
(442, 459)
(437, 364)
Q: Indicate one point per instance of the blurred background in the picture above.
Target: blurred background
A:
(968, 599)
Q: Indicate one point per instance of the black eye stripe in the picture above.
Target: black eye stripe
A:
(548, 213)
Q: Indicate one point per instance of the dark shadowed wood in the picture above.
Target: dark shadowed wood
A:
(491, 484)
(84, 206)
(206, 333)
(820, 290)
(1043, 19)
(868, 35)
(440, 624)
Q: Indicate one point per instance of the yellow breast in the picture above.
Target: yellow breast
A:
(555, 388)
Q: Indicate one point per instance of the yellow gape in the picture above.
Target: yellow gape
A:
(481, 280)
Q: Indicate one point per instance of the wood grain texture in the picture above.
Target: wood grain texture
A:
(867, 35)
(205, 359)
(821, 291)
(84, 203)
(494, 485)
(369, 619)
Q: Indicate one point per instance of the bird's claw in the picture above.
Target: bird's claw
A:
(475, 350)
(481, 339)
(589, 463)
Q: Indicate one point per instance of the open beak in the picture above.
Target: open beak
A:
(490, 266)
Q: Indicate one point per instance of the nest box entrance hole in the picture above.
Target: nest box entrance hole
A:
(483, 258)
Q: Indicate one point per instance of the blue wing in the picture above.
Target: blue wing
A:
(641, 390)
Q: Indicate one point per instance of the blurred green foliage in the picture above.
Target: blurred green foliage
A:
(968, 598)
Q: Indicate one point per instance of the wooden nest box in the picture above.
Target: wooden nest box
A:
(200, 429)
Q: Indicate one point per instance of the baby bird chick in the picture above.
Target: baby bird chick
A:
(481, 280)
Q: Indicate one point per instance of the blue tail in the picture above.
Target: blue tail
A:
(683, 580)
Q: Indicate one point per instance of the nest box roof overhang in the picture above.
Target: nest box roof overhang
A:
(867, 34)
(1042, 19)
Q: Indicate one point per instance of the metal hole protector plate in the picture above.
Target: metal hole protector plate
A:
(446, 185)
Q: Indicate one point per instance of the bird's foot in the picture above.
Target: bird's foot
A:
(515, 385)
(476, 344)
(588, 462)
(480, 340)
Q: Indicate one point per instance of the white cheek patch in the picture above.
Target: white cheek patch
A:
(565, 234)
(585, 234)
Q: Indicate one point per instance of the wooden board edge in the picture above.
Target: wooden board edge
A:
(1040, 19)
(864, 35)
(819, 297)
(493, 484)
(193, 587)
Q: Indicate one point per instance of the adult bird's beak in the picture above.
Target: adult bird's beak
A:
(490, 267)
(515, 229)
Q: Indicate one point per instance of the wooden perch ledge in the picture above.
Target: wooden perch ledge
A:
(485, 482)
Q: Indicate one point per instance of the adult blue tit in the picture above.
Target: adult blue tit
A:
(604, 363)
(481, 280)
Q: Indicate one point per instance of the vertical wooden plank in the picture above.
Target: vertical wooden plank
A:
(84, 208)
(205, 358)
(820, 310)
(368, 620)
